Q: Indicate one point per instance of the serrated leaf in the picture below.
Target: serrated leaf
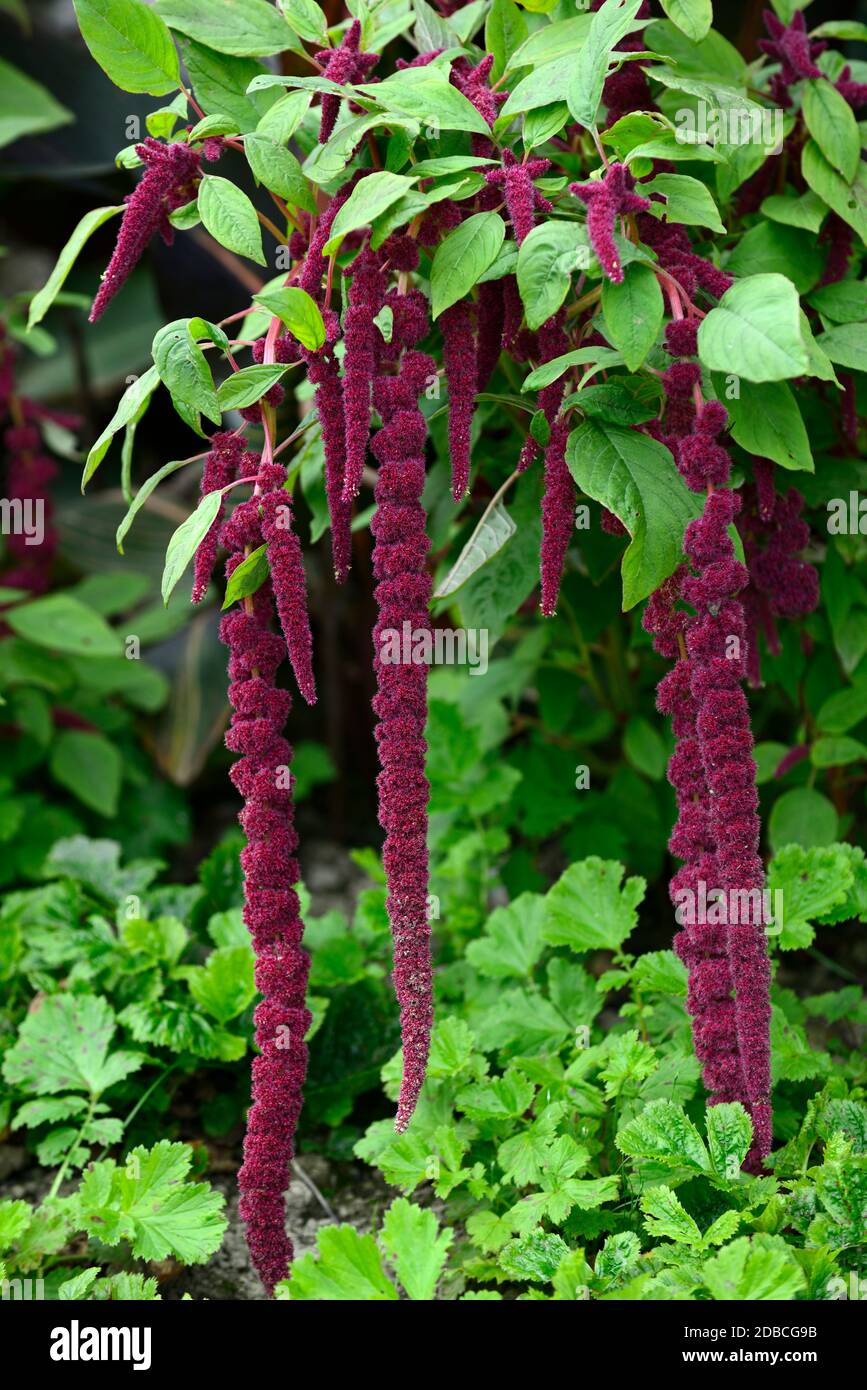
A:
(417, 1246)
(512, 941)
(589, 909)
(347, 1267)
(663, 1131)
(754, 1270)
(66, 1046)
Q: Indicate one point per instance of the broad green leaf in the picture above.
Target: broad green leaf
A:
(546, 259)
(494, 529)
(307, 19)
(89, 766)
(692, 17)
(224, 985)
(843, 710)
(144, 492)
(666, 1217)
(687, 201)
(131, 43)
(326, 162)
(814, 883)
(831, 121)
(662, 1131)
(184, 369)
(589, 909)
(65, 1045)
(249, 576)
(802, 816)
(243, 28)
(807, 212)
(131, 402)
(230, 217)
(543, 86)
(245, 387)
(428, 98)
(766, 421)
(849, 201)
(418, 1248)
(512, 940)
(754, 1269)
(297, 310)
(148, 1203)
(26, 107)
(186, 540)
(581, 357)
(635, 477)
(63, 624)
(44, 298)
(552, 41)
(282, 120)
(755, 331)
(837, 751)
(505, 30)
(463, 256)
(846, 344)
(729, 1134)
(633, 312)
(611, 22)
(221, 86)
(346, 1268)
(279, 170)
(843, 302)
(370, 197)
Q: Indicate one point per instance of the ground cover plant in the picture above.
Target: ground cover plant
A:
(530, 312)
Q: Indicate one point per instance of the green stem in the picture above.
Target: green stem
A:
(62, 1170)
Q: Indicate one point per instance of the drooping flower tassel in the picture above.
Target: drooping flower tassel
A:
(402, 595)
(220, 469)
(558, 514)
(361, 337)
(459, 359)
(287, 575)
(344, 64)
(169, 181)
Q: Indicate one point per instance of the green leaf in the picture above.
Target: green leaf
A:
(505, 30)
(635, 477)
(611, 22)
(755, 331)
(186, 540)
(298, 311)
(564, 36)
(843, 710)
(307, 19)
(687, 200)
(813, 882)
(370, 197)
(221, 84)
(831, 121)
(803, 817)
(463, 256)
(644, 747)
(512, 940)
(131, 43)
(65, 1045)
(848, 201)
(243, 28)
(494, 529)
(62, 624)
(412, 1237)
(144, 492)
(90, 767)
(148, 1203)
(766, 421)
(428, 98)
(347, 1268)
(588, 909)
(665, 1215)
(692, 17)
(662, 1131)
(184, 369)
(633, 312)
(838, 751)
(553, 370)
(224, 986)
(134, 398)
(846, 344)
(546, 259)
(26, 107)
(230, 217)
(248, 577)
(807, 212)
(279, 170)
(729, 1134)
(44, 298)
(754, 1269)
(282, 120)
(249, 385)
(843, 302)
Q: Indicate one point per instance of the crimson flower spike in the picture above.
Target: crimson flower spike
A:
(607, 199)
(460, 361)
(169, 181)
(343, 64)
(523, 199)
